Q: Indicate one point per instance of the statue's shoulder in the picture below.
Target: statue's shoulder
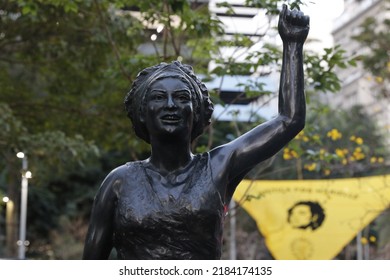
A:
(120, 177)
(125, 169)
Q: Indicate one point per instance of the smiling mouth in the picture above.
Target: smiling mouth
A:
(170, 118)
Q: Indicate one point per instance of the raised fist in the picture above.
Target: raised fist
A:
(293, 25)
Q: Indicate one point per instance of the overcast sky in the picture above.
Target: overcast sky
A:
(322, 14)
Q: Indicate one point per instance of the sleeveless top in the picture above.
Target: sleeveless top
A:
(188, 226)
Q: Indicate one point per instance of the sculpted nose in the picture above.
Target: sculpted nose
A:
(170, 102)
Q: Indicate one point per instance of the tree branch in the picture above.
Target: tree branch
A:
(111, 40)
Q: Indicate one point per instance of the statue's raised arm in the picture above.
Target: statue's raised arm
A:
(267, 139)
(293, 29)
(293, 25)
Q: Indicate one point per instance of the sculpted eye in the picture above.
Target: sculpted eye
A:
(157, 97)
(184, 97)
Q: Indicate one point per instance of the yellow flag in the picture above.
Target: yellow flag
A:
(313, 219)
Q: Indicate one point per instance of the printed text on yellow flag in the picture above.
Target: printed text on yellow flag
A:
(313, 219)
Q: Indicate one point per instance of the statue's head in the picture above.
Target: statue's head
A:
(135, 101)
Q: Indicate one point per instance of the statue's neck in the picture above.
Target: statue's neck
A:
(168, 157)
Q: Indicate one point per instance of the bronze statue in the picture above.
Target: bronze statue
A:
(172, 205)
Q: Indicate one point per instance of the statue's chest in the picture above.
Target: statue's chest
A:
(142, 205)
(146, 201)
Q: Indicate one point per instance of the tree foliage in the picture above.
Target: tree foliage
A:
(375, 38)
(337, 144)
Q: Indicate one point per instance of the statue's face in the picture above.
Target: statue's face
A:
(169, 108)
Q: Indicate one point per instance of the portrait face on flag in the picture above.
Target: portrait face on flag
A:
(306, 214)
(313, 219)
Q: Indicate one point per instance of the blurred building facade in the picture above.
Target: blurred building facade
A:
(256, 25)
(359, 87)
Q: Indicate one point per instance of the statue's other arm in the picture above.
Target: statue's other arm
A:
(265, 140)
(98, 243)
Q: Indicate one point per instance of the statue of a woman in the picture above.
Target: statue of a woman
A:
(172, 205)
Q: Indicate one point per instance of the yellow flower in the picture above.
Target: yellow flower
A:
(357, 154)
(373, 159)
(340, 153)
(326, 172)
(379, 79)
(310, 167)
(359, 141)
(372, 239)
(294, 154)
(334, 134)
(360, 156)
(287, 156)
(316, 137)
(300, 135)
(364, 240)
(344, 161)
(380, 160)
(305, 139)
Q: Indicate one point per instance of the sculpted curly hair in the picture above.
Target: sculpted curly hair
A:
(135, 100)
